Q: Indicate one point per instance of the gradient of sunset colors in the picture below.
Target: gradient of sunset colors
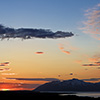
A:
(36, 61)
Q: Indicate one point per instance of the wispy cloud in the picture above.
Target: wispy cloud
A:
(78, 61)
(61, 47)
(92, 23)
(7, 69)
(67, 47)
(94, 61)
(4, 64)
(98, 63)
(67, 52)
(8, 74)
(4, 69)
(28, 33)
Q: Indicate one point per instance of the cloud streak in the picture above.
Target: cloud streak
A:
(4, 64)
(39, 52)
(35, 79)
(4, 69)
(61, 47)
(78, 61)
(67, 47)
(91, 65)
(28, 33)
(93, 61)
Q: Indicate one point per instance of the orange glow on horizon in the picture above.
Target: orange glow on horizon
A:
(16, 89)
(12, 87)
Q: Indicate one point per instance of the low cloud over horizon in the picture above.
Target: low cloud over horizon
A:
(34, 79)
(91, 79)
(28, 33)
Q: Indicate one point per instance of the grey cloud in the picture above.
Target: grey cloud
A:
(28, 33)
(35, 79)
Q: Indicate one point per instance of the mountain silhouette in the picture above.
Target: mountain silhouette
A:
(69, 85)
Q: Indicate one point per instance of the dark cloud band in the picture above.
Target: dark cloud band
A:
(28, 33)
(92, 64)
(92, 79)
(35, 79)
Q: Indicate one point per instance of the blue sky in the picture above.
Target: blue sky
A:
(51, 14)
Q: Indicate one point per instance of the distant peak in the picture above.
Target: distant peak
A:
(75, 79)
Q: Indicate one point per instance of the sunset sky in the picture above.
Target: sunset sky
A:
(26, 63)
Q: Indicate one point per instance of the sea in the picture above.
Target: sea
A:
(83, 94)
(77, 93)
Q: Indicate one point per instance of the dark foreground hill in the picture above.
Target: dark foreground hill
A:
(30, 95)
(69, 85)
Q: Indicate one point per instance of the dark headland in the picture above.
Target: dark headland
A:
(38, 95)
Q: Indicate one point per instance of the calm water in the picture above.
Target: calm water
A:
(89, 94)
(84, 94)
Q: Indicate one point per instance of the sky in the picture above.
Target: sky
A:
(27, 63)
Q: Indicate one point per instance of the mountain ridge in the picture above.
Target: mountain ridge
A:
(69, 85)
